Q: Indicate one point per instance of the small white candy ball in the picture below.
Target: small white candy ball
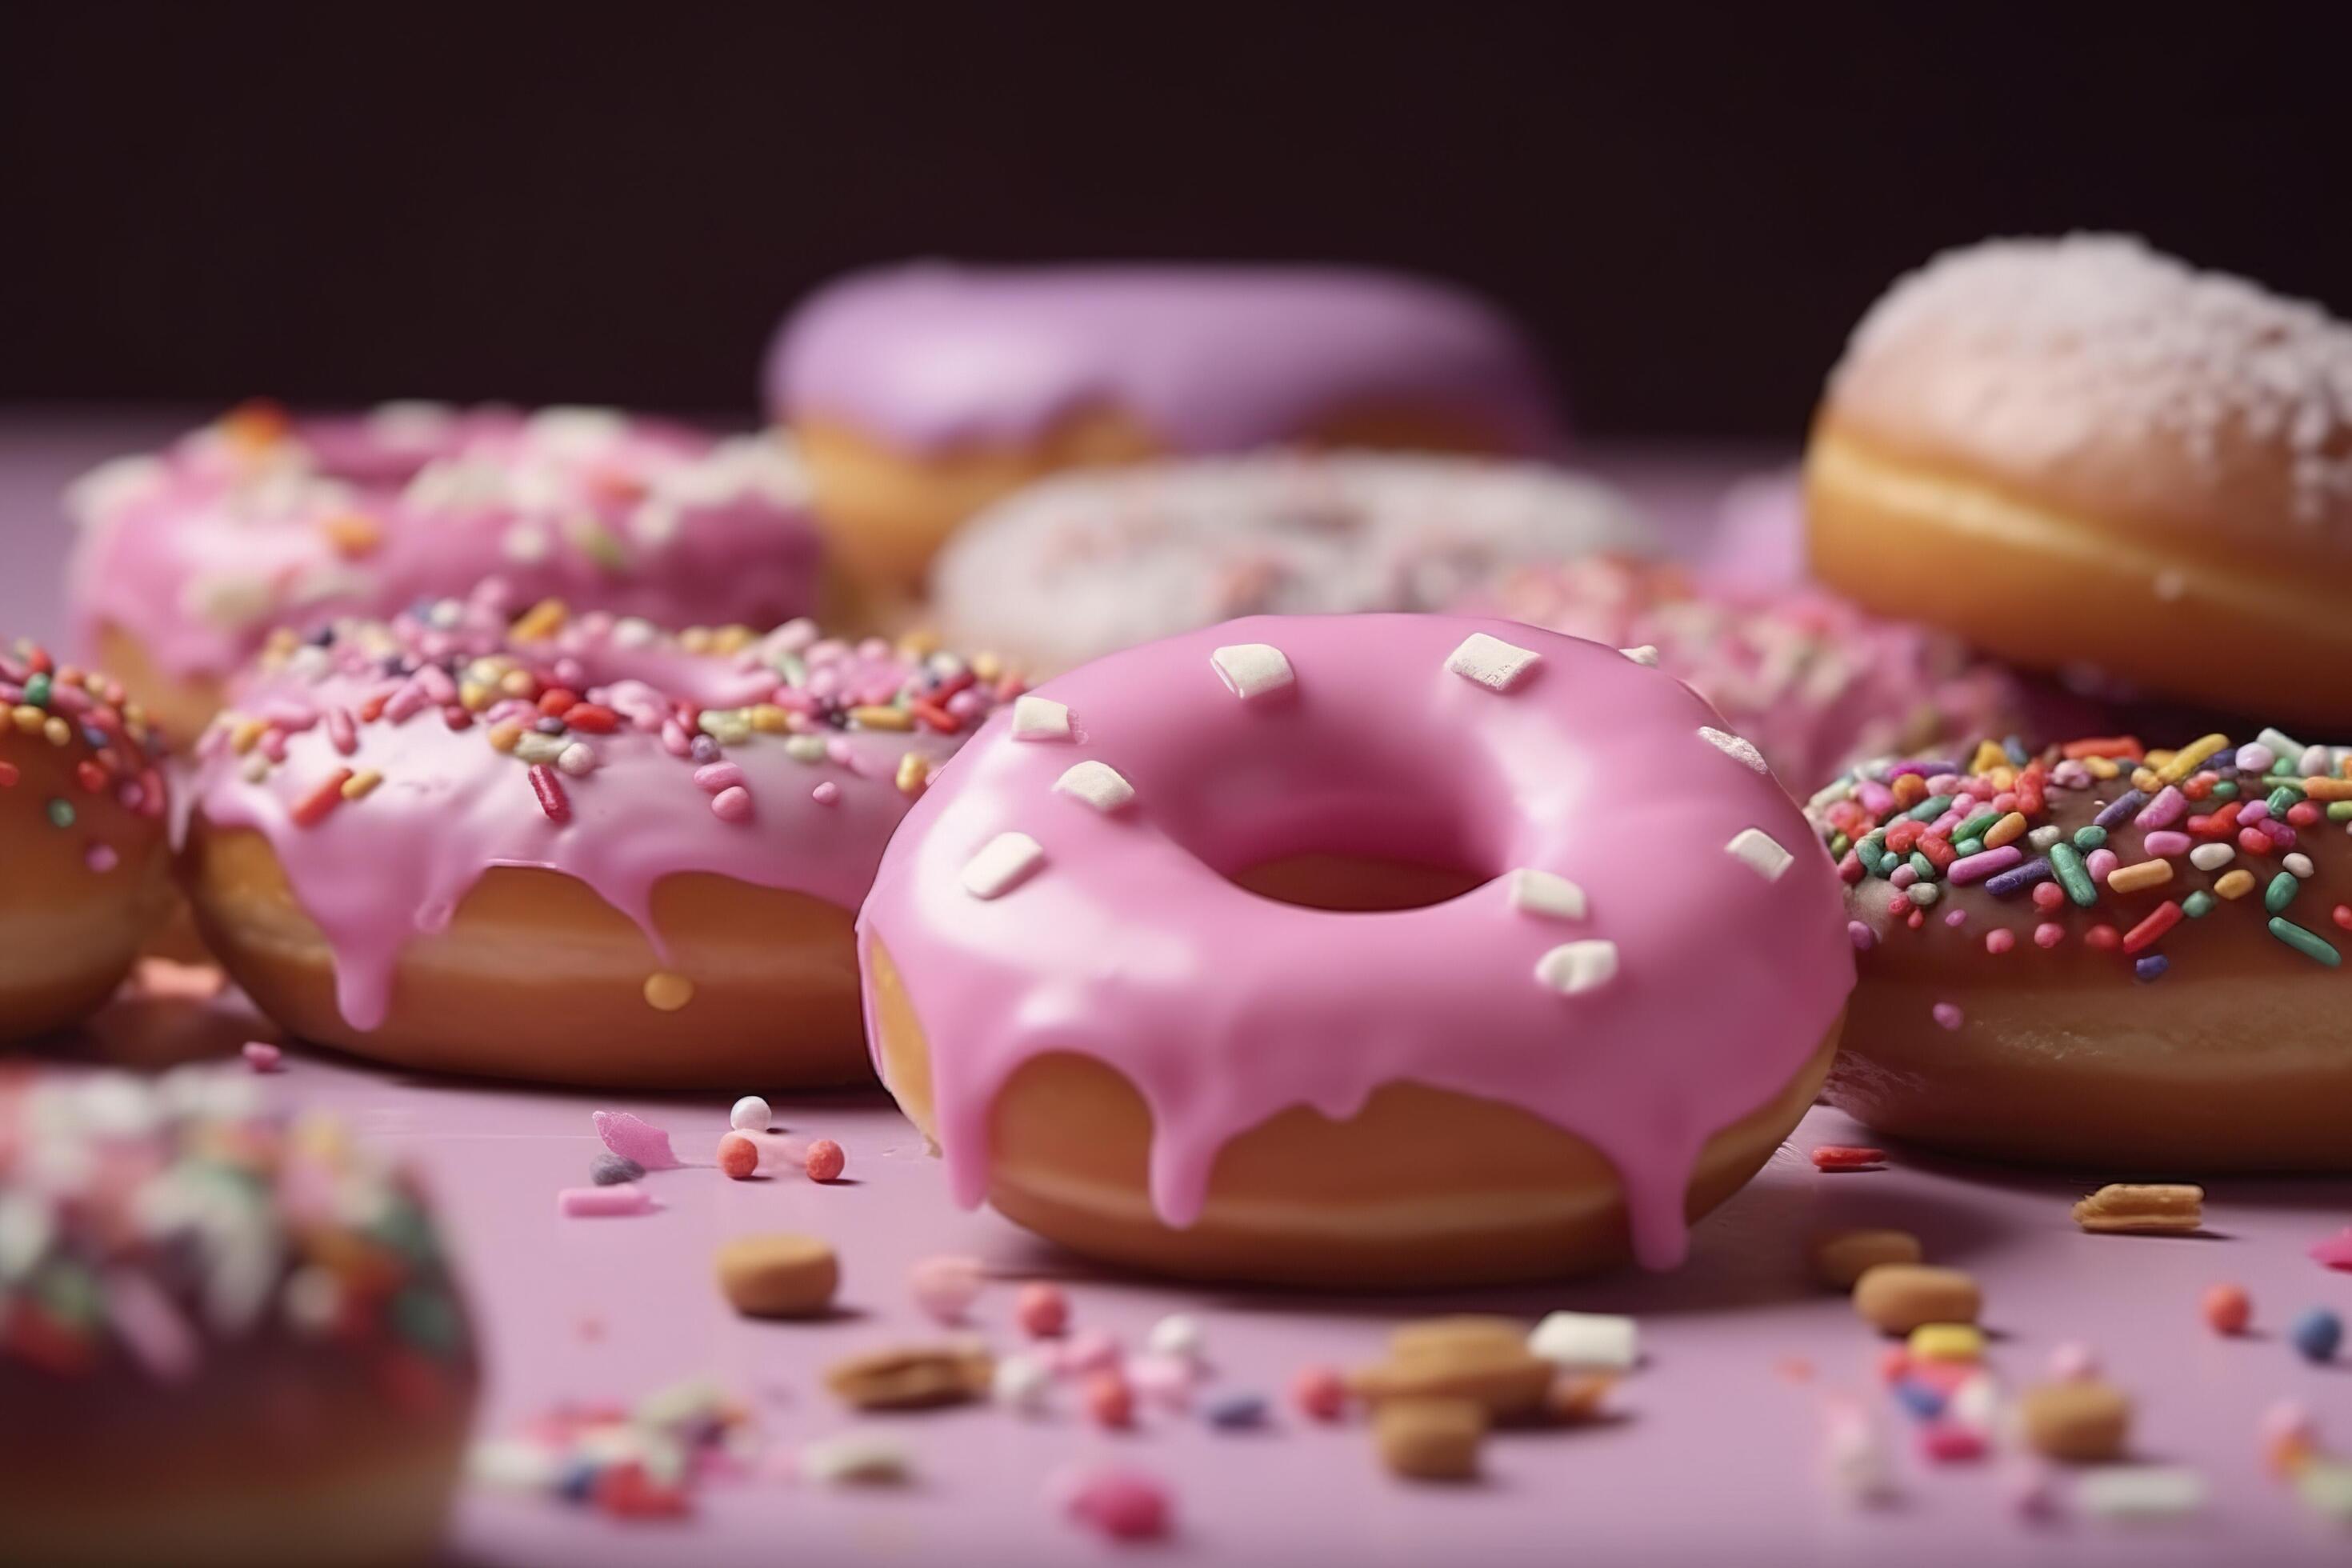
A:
(751, 1114)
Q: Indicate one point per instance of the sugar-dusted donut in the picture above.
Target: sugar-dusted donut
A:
(187, 559)
(576, 850)
(922, 392)
(1355, 951)
(1814, 682)
(1083, 564)
(226, 1341)
(2103, 957)
(2079, 451)
(83, 854)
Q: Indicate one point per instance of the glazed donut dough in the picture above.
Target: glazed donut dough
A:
(2079, 452)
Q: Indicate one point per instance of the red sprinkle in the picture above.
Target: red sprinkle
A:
(550, 790)
(1320, 1393)
(8, 775)
(738, 1156)
(2103, 936)
(1042, 1311)
(558, 701)
(1847, 1157)
(315, 805)
(92, 776)
(2227, 1309)
(825, 1162)
(2162, 918)
(592, 719)
(2342, 915)
(2114, 748)
(1109, 1400)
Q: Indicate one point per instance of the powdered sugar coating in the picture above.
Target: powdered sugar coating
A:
(2044, 347)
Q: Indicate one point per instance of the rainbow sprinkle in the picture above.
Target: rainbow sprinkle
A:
(73, 710)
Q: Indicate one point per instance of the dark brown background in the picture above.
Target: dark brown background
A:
(335, 203)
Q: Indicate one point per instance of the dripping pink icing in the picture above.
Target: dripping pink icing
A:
(1213, 358)
(376, 871)
(201, 550)
(1129, 943)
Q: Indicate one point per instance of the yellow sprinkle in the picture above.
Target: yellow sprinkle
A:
(351, 534)
(695, 639)
(2101, 768)
(918, 645)
(515, 683)
(2007, 829)
(246, 735)
(770, 720)
(28, 718)
(360, 783)
(1947, 1342)
(57, 731)
(667, 993)
(2143, 777)
(730, 640)
(875, 718)
(914, 773)
(502, 737)
(2144, 874)
(2001, 778)
(473, 695)
(1989, 756)
(728, 727)
(2234, 884)
(2187, 760)
(541, 621)
(986, 666)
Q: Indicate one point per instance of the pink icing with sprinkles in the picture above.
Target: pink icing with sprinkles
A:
(383, 840)
(1674, 989)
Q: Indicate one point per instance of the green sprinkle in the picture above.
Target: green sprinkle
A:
(1874, 856)
(426, 1319)
(2283, 799)
(2280, 893)
(2195, 905)
(2225, 790)
(1839, 845)
(598, 543)
(1927, 810)
(793, 668)
(2304, 942)
(2339, 810)
(61, 814)
(1974, 828)
(1969, 847)
(36, 692)
(1923, 865)
(810, 749)
(2089, 837)
(2073, 876)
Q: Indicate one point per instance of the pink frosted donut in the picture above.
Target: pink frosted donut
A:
(1120, 966)
(187, 559)
(1085, 564)
(923, 392)
(573, 849)
(1816, 683)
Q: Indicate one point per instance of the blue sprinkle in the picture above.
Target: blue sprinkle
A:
(610, 1170)
(548, 725)
(2225, 758)
(2318, 1334)
(2014, 747)
(1236, 1412)
(704, 749)
(579, 1483)
(1919, 1399)
(2121, 807)
(2151, 967)
(2017, 879)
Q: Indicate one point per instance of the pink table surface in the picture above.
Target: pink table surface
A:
(1714, 1453)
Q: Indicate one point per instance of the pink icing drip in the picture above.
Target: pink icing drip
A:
(1223, 1008)
(377, 871)
(238, 525)
(1213, 358)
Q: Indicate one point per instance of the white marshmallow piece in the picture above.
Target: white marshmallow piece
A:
(2211, 856)
(856, 1458)
(1546, 893)
(1646, 656)
(2043, 837)
(1176, 1337)
(1253, 668)
(2139, 1491)
(1492, 662)
(1099, 784)
(1575, 967)
(1003, 863)
(1732, 746)
(1038, 718)
(1590, 1342)
(1760, 853)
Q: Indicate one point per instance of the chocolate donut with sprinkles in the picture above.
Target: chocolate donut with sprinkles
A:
(1377, 950)
(2102, 954)
(571, 848)
(227, 1337)
(83, 838)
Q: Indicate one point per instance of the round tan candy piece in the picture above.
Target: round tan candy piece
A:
(779, 1276)
(1896, 1298)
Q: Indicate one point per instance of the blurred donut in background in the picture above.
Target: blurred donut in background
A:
(2080, 451)
(1083, 564)
(920, 393)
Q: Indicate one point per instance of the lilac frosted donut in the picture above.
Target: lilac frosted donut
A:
(1816, 683)
(1364, 950)
(573, 850)
(1083, 564)
(923, 392)
(189, 558)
